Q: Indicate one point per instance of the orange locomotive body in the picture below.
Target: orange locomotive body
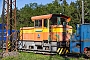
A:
(49, 32)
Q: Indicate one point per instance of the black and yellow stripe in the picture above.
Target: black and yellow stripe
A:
(9, 45)
(63, 50)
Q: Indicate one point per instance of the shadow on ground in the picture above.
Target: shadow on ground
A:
(75, 56)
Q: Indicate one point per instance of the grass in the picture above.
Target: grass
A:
(32, 56)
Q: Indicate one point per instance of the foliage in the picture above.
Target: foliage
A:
(74, 10)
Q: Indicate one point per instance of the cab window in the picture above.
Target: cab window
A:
(57, 21)
(38, 23)
(45, 23)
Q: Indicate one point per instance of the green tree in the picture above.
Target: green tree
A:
(74, 14)
(74, 10)
(87, 10)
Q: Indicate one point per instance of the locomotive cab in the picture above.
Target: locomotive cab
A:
(51, 24)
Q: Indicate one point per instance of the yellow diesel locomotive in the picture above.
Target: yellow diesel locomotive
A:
(49, 33)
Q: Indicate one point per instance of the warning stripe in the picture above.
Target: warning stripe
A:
(58, 50)
(9, 45)
(63, 50)
(67, 51)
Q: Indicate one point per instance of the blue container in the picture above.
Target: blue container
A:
(81, 39)
(5, 35)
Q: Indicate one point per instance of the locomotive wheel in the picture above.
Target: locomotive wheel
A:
(87, 53)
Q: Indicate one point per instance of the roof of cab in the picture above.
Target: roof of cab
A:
(49, 16)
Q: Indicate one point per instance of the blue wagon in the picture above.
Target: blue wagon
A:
(80, 41)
